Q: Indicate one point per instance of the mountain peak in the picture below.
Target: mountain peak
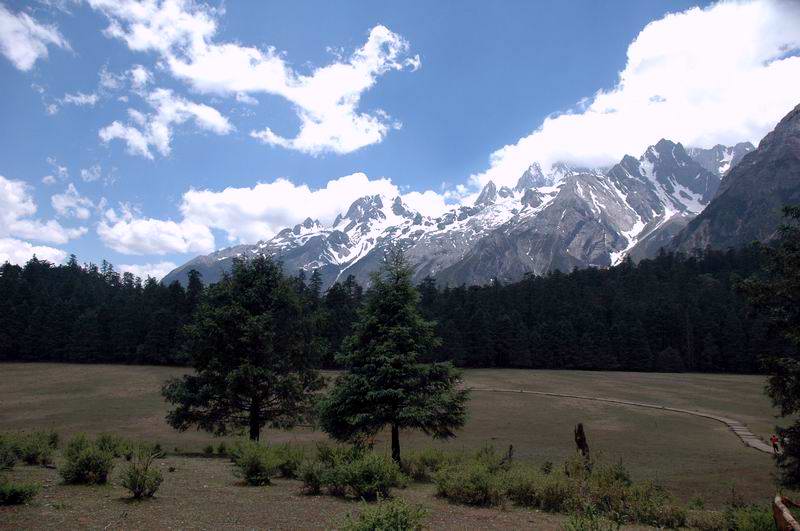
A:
(488, 195)
(400, 209)
(532, 178)
(307, 225)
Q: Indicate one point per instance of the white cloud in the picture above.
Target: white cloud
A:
(23, 40)
(16, 208)
(721, 74)
(48, 179)
(140, 77)
(155, 129)
(59, 172)
(247, 215)
(19, 251)
(326, 100)
(80, 99)
(72, 204)
(130, 234)
(156, 270)
(91, 174)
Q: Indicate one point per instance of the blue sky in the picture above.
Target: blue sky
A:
(125, 122)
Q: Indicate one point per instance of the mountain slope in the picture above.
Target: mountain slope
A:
(748, 206)
(559, 219)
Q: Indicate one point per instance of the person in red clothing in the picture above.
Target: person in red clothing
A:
(774, 441)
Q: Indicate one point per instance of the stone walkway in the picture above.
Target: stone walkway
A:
(741, 431)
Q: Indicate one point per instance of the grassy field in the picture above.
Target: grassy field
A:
(691, 456)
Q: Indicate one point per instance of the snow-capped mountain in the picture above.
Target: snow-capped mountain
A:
(559, 219)
(720, 159)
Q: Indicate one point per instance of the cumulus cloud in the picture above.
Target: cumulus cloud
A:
(23, 40)
(72, 204)
(155, 129)
(129, 233)
(156, 270)
(19, 251)
(16, 210)
(326, 100)
(249, 214)
(720, 74)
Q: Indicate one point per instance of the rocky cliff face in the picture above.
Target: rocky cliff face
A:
(561, 218)
(749, 203)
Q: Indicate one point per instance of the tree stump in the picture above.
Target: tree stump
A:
(580, 441)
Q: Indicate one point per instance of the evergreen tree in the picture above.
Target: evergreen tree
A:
(777, 295)
(250, 353)
(385, 383)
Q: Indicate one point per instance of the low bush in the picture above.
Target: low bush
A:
(390, 515)
(222, 449)
(290, 458)
(85, 462)
(140, 476)
(707, 521)
(114, 445)
(750, 518)
(37, 448)
(351, 472)
(472, 482)
(371, 476)
(256, 463)
(590, 521)
(208, 450)
(422, 465)
(8, 452)
(16, 493)
(311, 474)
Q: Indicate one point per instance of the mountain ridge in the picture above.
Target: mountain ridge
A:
(563, 218)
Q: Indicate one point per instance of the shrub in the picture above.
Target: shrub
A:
(524, 487)
(289, 459)
(112, 444)
(222, 449)
(85, 462)
(256, 463)
(471, 483)
(311, 474)
(423, 465)
(352, 472)
(707, 521)
(208, 450)
(652, 505)
(391, 515)
(749, 518)
(590, 521)
(334, 455)
(16, 493)
(140, 477)
(371, 476)
(37, 448)
(556, 494)
(8, 452)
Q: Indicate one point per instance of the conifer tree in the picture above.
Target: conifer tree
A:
(777, 295)
(386, 384)
(249, 348)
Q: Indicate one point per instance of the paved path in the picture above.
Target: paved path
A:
(741, 431)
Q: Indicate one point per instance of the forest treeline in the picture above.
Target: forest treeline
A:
(669, 313)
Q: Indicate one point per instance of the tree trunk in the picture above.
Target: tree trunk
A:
(396, 443)
(255, 423)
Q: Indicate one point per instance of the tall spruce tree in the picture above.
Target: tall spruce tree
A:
(386, 384)
(250, 350)
(777, 295)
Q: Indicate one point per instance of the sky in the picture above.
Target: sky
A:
(148, 132)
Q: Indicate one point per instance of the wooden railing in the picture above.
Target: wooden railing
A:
(783, 516)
